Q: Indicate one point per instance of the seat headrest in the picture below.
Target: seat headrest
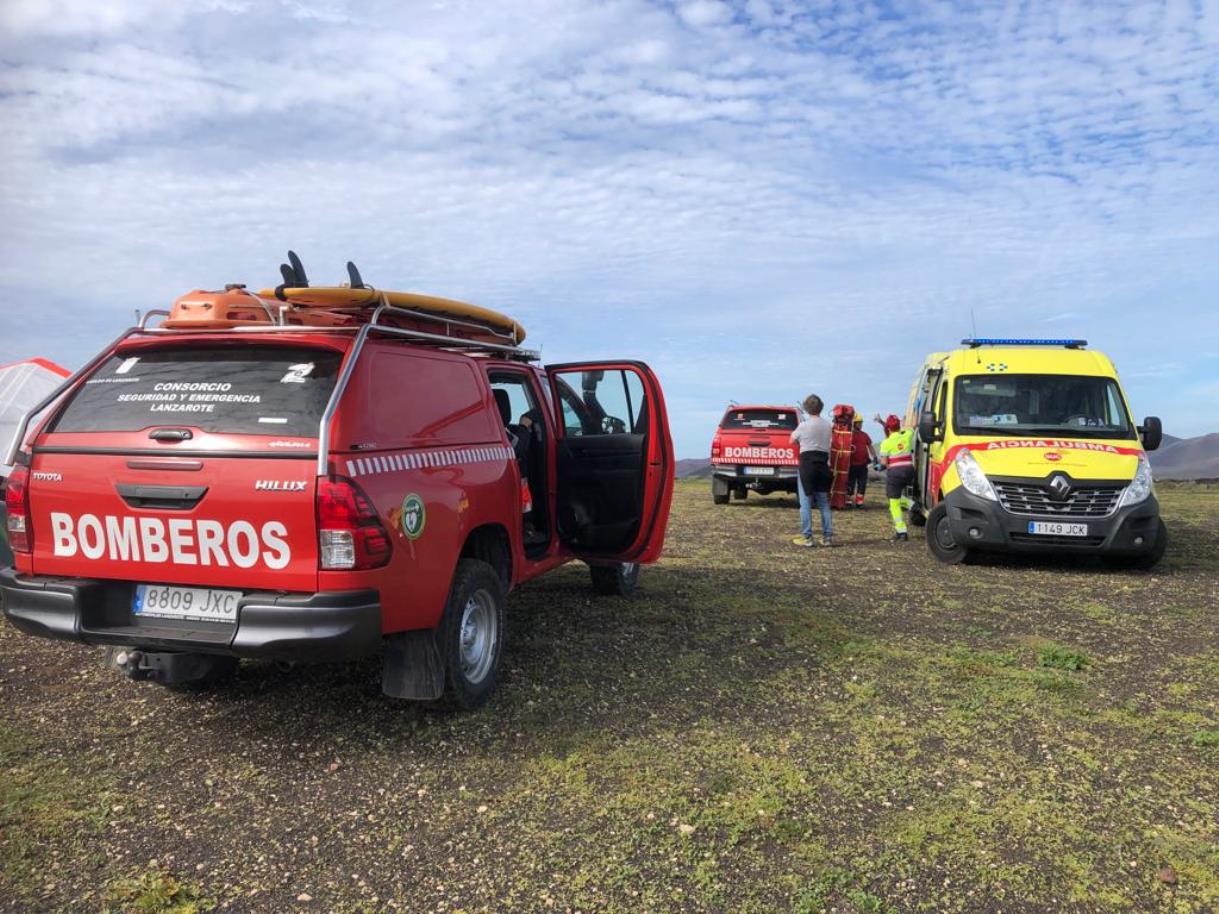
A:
(504, 404)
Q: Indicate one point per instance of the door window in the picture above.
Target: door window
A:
(520, 397)
(602, 402)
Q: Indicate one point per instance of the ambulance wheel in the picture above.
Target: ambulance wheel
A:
(1147, 560)
(719, 491)
(471, 635)
(939, 538)
(740, 493)
(618, 580)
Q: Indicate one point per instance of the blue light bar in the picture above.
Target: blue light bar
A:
(996, 341)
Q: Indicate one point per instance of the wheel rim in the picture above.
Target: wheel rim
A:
(943, 535)
(478, 636)
(629, 572)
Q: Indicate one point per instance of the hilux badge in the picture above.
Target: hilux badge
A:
(280, 485)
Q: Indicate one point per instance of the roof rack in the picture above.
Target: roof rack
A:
(361, 331)
(446, 340)
(974, 343)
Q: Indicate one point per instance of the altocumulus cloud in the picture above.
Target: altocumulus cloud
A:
(760, 198)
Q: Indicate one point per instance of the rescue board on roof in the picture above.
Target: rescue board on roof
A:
(345, 298)
(296, 302)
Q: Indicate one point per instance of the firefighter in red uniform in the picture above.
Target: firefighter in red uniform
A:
(862, 455)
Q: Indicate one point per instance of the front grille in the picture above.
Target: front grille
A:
(1035, 500)
(1041, 540)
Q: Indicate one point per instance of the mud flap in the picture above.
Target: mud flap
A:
(412, 667)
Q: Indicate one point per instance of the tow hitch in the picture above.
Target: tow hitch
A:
(169, 667)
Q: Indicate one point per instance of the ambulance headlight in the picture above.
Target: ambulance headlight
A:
(1140, 487)
(972, 477)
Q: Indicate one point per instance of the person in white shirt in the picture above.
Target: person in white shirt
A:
(813, 436)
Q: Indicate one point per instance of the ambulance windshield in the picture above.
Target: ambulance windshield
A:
(759, 419)
(252, 390)
(1076, 406)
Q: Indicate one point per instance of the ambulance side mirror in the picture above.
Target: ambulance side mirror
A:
(1152, 432)
(928, 428)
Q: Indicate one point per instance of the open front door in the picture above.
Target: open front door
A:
(615, 460)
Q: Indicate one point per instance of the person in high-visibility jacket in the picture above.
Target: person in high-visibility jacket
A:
(897, 459)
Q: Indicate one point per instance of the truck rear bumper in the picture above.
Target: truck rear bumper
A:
(338, 625)
(782, 477)
(984, 524)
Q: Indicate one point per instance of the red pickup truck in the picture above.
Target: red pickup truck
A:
(752, 450)
(305, 490)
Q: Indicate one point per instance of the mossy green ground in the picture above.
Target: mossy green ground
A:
(763, 729)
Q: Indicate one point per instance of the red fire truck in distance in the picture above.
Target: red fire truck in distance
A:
(303, 487)
(752, 450)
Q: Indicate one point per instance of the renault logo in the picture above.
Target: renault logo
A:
(1060, 489)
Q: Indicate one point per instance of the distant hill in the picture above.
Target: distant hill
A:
(694, 468)
(1187, 458)
(1177, 458)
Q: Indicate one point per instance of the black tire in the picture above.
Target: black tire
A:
(471, 636)
(1147, 560)
(740, 493)
(618, 580)
(939, 538)
(719, 490)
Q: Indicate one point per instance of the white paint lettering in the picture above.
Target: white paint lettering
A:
(247, 557)
(211, 543)
(181, 540)
(278, 553)
(124, 543)
(152, 540)
(92, 538)
(65, 539)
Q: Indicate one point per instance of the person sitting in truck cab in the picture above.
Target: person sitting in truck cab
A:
(520, 436)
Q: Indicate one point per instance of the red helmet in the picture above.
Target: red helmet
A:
(892, 423)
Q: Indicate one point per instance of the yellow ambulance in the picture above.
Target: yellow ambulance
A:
(1028, 445)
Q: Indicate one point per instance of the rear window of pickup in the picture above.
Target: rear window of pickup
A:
(759, 418)
(252, 390)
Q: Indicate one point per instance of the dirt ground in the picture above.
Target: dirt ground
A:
(764, 729)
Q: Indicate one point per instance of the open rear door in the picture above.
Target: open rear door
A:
(614, 460)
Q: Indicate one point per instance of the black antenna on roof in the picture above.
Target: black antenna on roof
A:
(357, 281)
(973, 323)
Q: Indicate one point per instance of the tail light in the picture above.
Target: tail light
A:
(717, 448)
(350, 534)
(17, 507)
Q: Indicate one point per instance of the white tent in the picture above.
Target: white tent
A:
(23, 385)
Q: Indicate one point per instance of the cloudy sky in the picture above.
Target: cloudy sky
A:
(759, 198)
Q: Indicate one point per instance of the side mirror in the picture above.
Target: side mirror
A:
(1152, 432)
(928, 428)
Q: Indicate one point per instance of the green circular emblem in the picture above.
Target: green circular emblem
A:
(414, 516)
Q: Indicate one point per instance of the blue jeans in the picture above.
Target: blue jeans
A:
(806, 512)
